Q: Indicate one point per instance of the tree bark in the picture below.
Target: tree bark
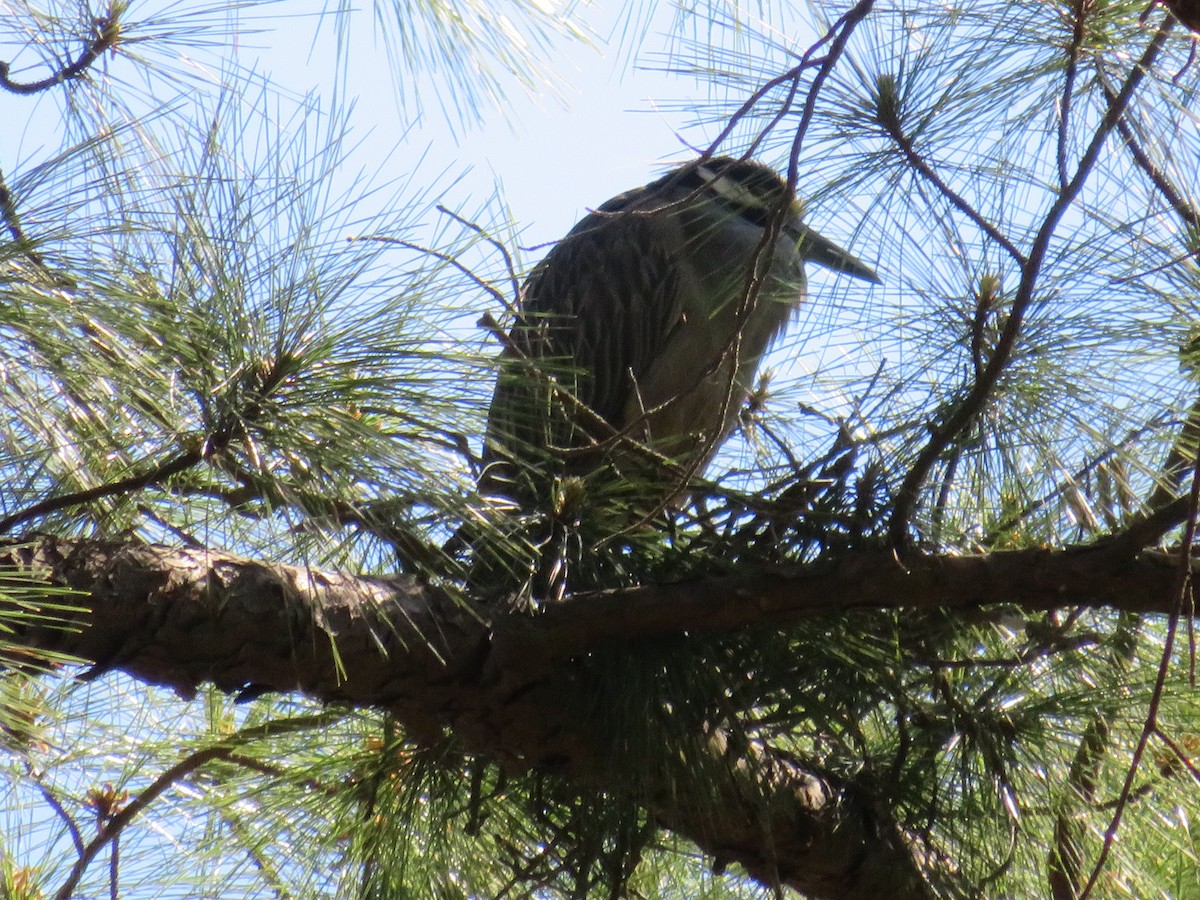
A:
(179, 617)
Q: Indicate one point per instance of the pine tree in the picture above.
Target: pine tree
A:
(923, 629)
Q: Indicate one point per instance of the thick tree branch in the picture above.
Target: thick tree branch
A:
(182, 617)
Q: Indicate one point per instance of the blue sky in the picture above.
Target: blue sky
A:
(552, 155)
(591, 133)
(614, 123)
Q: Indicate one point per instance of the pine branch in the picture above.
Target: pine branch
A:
(965, 412)
(106, 34)
(182, 617)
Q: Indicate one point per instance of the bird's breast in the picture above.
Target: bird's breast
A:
(691, 394)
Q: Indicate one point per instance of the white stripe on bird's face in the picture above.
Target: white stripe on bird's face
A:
(755, 196)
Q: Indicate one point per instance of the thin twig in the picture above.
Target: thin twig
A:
(157, 475)
(107, 33)
(1185, 210)
(225, 748)
(509, 265)
(114, 868)
(1064, 117)
(842, 28)
(8, 213)
(446, 258)
(57, 807)
(791, 75)
(117, 823)
(1178, 201)
(202, 450)
(918, 163)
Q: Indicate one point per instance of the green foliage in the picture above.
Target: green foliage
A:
(204, 340)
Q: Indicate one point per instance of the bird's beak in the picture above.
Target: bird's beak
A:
(824, 252)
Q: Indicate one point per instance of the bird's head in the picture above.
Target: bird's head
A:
(754, 191)
(757, 194)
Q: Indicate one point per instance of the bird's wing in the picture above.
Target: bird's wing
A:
(606, 300)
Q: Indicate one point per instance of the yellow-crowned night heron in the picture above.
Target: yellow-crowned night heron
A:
(639, 334)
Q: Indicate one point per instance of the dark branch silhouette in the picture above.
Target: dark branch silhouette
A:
(107, 33)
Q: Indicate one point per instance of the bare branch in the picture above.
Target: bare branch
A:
(445, 257)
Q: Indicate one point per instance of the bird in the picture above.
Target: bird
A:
(637, 338)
